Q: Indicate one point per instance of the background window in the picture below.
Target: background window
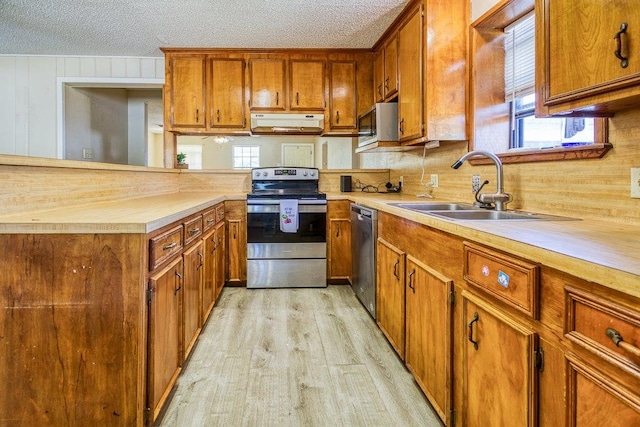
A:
(246, 156)
(194, 155)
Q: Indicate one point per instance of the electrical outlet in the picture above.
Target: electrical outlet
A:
(434, 180)
(87, 153)
(475, 183)
(635, 183)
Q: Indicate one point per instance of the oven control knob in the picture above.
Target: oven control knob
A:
(264, 173)
(256, 174)
(304, 173)
(313, 173)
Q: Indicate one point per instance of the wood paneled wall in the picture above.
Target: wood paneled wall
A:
(28, 111)
(598, 188)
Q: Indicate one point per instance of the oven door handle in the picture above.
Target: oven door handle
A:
(276, 209)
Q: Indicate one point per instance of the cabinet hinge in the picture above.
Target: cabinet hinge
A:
(452, 298)
(539, 355)
(147, 416)
(149, 295)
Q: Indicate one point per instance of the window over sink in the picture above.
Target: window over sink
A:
(503, 95)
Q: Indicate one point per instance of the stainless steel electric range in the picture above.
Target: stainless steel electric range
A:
(286, 229)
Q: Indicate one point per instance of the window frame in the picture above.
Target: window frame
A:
(233, 156)
(489, 114)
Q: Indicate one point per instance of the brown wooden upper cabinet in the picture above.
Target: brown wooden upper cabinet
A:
(586, 57)
(187, 80)
(227, 93)
(267, 84)
(410, 117)
(342, 108)
(385, 70)
(307, 85)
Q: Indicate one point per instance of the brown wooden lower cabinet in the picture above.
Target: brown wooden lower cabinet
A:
(338, 240)
(236, 218)
(164, 357)
(390, 294)
(429, 316)
(193, 268)
(499, 367)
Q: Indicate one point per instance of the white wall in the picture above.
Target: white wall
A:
(479, 7)
(29, 93)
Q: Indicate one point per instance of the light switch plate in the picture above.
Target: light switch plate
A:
(635, 183)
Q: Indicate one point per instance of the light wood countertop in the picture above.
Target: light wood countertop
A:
(597, 251)
(135, 215)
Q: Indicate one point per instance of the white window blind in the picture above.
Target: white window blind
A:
(519, 64)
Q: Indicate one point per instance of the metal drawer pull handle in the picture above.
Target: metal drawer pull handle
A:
(619, 342)
(337, 117)
(395, 269)
(175, 291)
(194, 231)
(169, 246)
(624, 61)
(218, 116)
(209, 220)
(277, 98)
(411, 280)
(470, 336)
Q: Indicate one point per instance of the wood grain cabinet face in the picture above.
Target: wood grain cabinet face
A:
(236, 220)
(192, 283)
(192, 230)
(390, 84)
(208, 275)
(410, 90)
(576, 47)
(267, 84)
(512, 280)
(220, 259)
(164, 336)
(164, 247)
(342, 91)
(307, 85)
(338, 240)
(378, 76)
(604, 382)
(500, 382)
(187, 80)
(227, 93)
(390, 294)
(429, 317)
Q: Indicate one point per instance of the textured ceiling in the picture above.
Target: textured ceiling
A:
(140, 27)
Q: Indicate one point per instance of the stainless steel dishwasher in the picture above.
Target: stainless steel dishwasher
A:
(364, 234)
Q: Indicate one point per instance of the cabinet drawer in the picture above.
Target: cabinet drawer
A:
(592, 322)
(192, 229)
(164, 246)
(513, 281)
(219, 212)
(209, 219)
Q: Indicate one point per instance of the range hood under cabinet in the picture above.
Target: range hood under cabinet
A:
(284, 123)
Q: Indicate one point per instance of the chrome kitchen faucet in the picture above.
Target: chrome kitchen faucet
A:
(499, 198)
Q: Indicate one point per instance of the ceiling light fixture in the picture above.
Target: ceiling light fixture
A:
(221, 139)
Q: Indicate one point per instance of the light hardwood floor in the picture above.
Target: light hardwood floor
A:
(295, 357)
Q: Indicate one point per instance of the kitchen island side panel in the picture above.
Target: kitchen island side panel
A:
(72, 329)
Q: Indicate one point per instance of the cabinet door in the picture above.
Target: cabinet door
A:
(342, 108)
(390, 294)
(391, 67)
(209, 275)
(410, 78)
(267, 84)
(227, 93)
(193, 267)
(307, 85)
(236, 217)
(500, 380)
(164, 339)
(428, 339)
(580, 44)
(340, 248)
(187, 92)
(378, 76)
(220, 259)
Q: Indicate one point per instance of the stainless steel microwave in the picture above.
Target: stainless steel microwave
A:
(378, 124)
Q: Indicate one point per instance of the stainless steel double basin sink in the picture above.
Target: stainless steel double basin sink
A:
(461, 211)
